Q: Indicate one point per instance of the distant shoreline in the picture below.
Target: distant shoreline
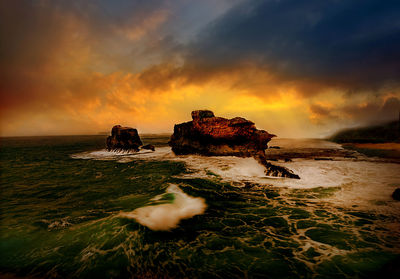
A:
(381, 146)
(389, 150)
(380, 134)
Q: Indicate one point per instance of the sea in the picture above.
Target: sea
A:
(71, 209)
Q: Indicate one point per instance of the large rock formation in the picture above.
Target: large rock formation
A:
(210, 135)
(123, 139)
(216, 136)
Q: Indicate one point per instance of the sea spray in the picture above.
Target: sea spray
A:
(166, 216)
(235, 169)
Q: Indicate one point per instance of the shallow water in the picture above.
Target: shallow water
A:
(71, 209)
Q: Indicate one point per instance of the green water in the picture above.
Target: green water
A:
(59, 219)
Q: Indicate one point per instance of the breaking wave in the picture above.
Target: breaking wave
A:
(235, 169)
(362, 181)
(166, 216)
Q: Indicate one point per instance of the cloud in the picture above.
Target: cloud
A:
(351, 44)
(294, 67)
(53, 53)
(320, 110)
(374, 112)
(371, 111)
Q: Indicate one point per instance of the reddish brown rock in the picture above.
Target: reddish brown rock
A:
(210, 135)
(123, 139)
(217, 136)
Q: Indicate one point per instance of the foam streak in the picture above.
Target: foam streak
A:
(164, 217)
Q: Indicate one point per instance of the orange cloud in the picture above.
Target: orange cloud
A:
(70, 76)
(152, 101)
(137, 30)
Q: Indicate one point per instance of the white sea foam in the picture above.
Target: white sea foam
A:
(364, 182)
(312, 173)
(165, 217)
(229, 168)
(125, 157)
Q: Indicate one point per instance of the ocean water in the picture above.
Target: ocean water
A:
(70, 209)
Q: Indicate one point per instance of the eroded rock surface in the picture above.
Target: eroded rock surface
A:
(210, 135)
(216, 136)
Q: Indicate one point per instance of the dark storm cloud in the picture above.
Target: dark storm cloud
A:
(369, 113)
(354, 44)
(374, 112)
(320, 110)
(61, 59)
(31, 29)
(49, 46)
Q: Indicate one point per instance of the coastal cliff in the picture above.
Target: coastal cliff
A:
(387, 132)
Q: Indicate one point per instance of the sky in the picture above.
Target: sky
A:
(297, 68)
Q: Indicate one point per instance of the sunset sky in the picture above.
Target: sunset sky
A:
(296, 68)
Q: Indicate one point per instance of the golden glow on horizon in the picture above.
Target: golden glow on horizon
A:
(72, 80)
(254, 103)
(100, 101)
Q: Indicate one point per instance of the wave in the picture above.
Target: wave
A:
(235, 169)
(166, 216)
(363, 183)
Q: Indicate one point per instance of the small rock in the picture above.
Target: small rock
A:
(273, 170)
(149, 147)
(396, 194)
(123, 139)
